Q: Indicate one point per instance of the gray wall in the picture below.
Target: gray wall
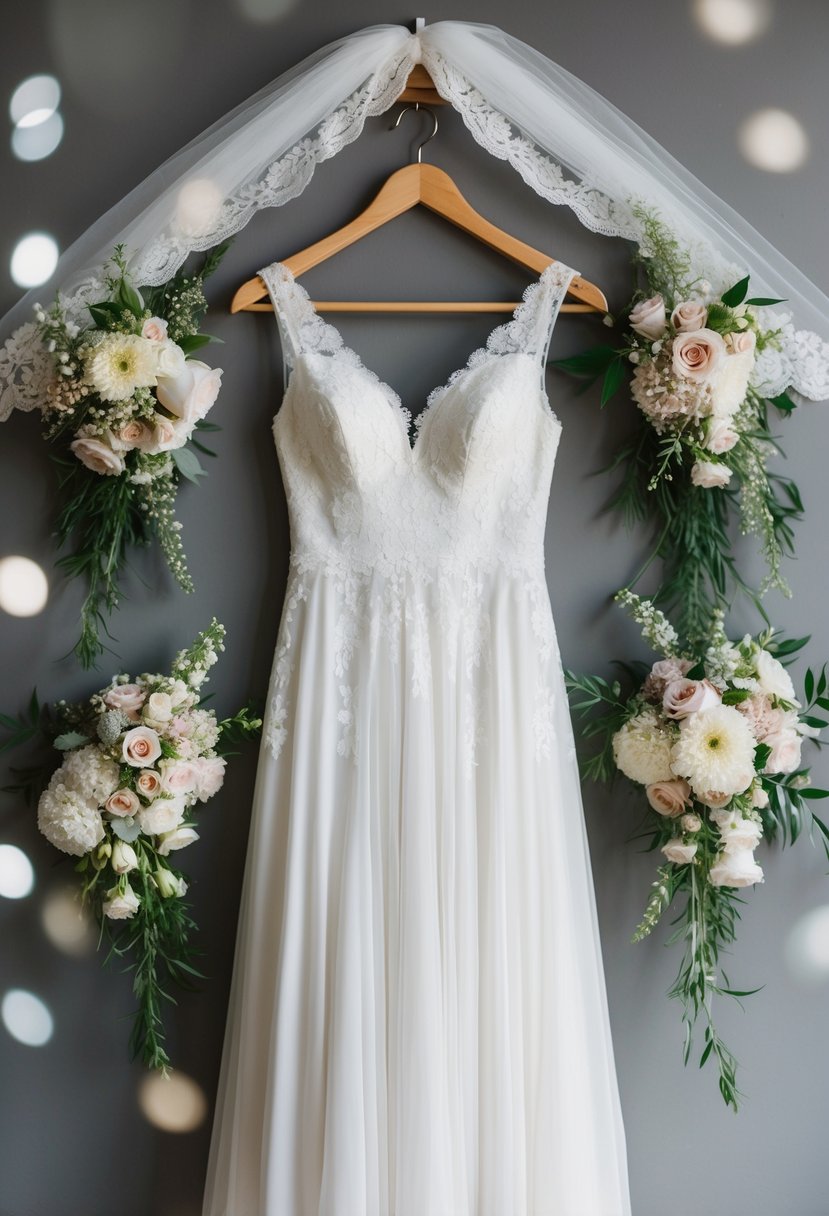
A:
(72, 1139)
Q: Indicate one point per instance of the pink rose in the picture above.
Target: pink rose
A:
(710, 475)
(683, 697)
(141, 746)
(122, 802)
(148, 783)
(136, 434)
(688, 316)
(663, 673)
(669, 797)
(698, 354)
(211, 775)
(719, 436)
(127, 697)
(190, 395)
(178, 776)
(155, 329)
(649, 317)
(97, 456)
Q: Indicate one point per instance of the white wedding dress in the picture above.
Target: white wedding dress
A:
(418, 1022)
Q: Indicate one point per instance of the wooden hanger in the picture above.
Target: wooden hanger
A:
(435, 189)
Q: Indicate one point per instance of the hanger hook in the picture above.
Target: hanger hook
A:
(419, 106)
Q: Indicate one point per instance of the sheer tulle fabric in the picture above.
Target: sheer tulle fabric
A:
(418, 1021)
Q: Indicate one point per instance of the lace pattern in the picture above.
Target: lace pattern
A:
(802, 361)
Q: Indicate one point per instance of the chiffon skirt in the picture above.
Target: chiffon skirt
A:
(418, 1022)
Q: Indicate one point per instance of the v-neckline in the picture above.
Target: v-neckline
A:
(409, 423)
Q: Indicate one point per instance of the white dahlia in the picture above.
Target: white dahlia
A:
(715, 750)
(642, 749)
(68, 820)
(89, 773)
(120, 364)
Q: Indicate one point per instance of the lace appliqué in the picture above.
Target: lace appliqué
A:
(275, 730)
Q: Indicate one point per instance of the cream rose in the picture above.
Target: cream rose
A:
(745, 341)
(169, 434)
(148, 783)
(141, 746)
(155, 329)
(168, 884)
(158, 710)
(679, 852)
(163, 815)
(719, 436)
(759, 797)
(669, 798)
(127, 697)
(785, 751)
(735, 870)
(690, 822)
(709, 475)
(740, 834)
(180, 838)
(689, 315)
(171, 360)
(189, 395)
(715, 799)
(97, 456)
(178, 776)
(121, 905)
(683, 697)
(698, 355)
(649, 317)
(122, 802)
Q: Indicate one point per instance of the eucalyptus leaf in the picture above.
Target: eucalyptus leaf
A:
(126, 827)
(187, 463)
(72, 739)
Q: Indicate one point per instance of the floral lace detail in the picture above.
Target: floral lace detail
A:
(802, 360)
(274, 728)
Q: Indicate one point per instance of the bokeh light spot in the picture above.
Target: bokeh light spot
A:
(17, 876)
(26, 1017)
(23, 586)
(175, 1104)
(39, 141)
(34, 100)
(66, 923)
(807, 946)
(34, 258)
(774, 140)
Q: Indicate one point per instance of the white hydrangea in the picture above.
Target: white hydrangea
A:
(642, 749)
(69, 821)
(715, 751)
(89, 773)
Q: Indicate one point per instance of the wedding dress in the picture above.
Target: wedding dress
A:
(418, 1022)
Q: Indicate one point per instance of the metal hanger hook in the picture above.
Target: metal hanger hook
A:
(419, 106)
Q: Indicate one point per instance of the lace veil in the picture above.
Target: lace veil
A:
(567, 142)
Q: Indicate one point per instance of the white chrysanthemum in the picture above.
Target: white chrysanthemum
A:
(120, 364)
(642, 749)
(68, 820)
(715, 751)
(89, 773)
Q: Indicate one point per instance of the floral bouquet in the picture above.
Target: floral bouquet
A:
(139, 757)
(692, 353)
(125, 402)
(714, 742)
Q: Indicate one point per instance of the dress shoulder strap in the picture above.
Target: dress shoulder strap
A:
(301, 328)
(531, 327)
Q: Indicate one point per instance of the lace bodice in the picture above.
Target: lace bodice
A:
(471, 486)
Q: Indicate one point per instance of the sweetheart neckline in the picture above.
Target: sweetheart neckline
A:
(407, 422)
